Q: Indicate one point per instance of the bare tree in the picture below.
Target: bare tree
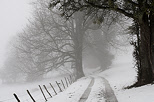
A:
(141, 11)
(50, 42)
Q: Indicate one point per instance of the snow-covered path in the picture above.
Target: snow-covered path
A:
(85, 95)
(108, 92)
(87, 89)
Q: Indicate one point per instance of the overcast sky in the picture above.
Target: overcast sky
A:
(13, 17)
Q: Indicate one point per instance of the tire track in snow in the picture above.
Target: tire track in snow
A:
(85, 95)
(108, 92)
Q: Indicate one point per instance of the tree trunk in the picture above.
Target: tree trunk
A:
(78, 43)
(152, 38)
(145, 73)
(78, 55)
(78, 63)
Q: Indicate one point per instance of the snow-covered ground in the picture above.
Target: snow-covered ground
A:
(120, 75)
(7, 91)
(96, 92)
(73, 93)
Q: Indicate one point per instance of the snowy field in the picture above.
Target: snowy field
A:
(7, 91)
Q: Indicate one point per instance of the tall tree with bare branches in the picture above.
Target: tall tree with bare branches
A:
(142, 13)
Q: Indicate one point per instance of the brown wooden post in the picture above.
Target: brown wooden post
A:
(16, 97)
(66, 82)
(47, 90)
(59, 86)
(53, 89)
(63, 84)
(43, 93)
(31, 96)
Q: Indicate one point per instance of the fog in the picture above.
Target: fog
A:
(37, 44)
(13, 17)
(36, 40)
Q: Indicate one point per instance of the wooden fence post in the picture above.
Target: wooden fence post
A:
(53, 88)
(58, 86)
(47, 90)
(42, 93)
(16, 97)
(31, 96)
(66, 81)
(63, 84)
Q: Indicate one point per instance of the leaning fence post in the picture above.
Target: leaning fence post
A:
(53, 88)
(66, 81)
(42, 93)
(16, 97)
(31, 96)
(63, 84)
(58, 86)
(47, 90)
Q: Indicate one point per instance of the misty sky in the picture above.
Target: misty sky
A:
(13, 17)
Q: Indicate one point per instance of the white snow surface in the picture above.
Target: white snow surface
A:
(7, 90)
(119, 78)
(73, 93)
(96, 94)
(120, 75)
